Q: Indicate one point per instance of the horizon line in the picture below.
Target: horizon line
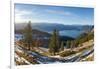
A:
(49, 23)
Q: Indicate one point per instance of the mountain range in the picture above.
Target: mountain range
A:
(48, 27)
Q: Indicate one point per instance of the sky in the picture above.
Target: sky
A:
(53, 14)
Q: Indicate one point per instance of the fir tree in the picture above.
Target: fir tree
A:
(54, 42)
(62, 46)
(68, 43)
(27, 35)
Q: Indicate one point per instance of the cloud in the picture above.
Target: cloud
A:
(21, 14)
(66, 13)
(28, 15)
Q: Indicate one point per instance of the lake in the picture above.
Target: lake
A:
(71, 33)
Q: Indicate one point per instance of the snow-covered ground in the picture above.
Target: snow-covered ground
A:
(53, 59)
(20, 59)
(57, 59)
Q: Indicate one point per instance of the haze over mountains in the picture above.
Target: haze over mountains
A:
(48, 27)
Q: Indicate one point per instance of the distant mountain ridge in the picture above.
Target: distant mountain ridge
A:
(51, 26)
(44, 34)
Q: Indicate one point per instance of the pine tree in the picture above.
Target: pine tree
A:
(72, 45)
(27, 35)
(68, 44)
(54, 42)
(62, 46)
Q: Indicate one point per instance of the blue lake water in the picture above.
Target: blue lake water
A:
(71, 33)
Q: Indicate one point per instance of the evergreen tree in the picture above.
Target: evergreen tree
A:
(76, 43)
(72, 45)
(27, 35)
(54, 42)
(62, 46)
(68, 44)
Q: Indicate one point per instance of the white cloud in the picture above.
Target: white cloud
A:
(67, 13)
(22, 12)
(27, 15)
(20, 15)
